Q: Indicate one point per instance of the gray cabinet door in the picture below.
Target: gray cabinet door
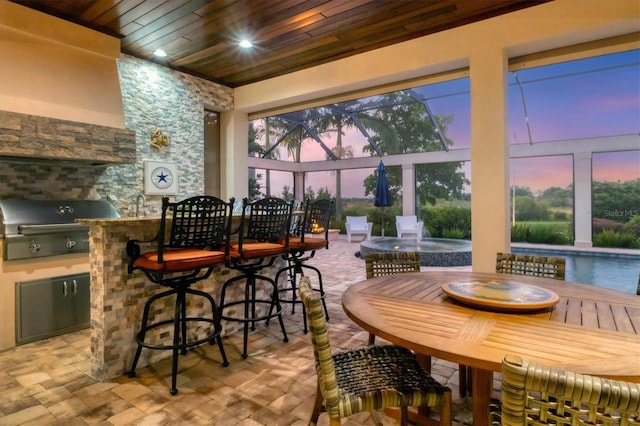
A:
(52, 306)
(77, 300)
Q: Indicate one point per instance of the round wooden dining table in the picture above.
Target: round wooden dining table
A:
(588, 329)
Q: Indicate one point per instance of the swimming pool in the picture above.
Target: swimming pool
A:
(609, 269)
(616, 271)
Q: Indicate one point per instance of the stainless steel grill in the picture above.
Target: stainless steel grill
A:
(33, 228)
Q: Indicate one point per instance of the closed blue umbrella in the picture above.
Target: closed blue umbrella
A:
(383, 197)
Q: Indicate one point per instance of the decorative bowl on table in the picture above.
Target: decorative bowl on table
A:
(501, 295)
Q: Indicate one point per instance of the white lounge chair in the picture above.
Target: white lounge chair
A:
(358, 225)
(409, 225)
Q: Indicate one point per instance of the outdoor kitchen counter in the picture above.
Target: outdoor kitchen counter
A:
(117, 299)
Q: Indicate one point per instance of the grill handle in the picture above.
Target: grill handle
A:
(55, 228)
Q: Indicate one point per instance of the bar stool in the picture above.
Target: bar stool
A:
(263, 236)
(188, 250)
(314, 222)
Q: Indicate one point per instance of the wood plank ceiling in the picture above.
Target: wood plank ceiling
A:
(201, 36)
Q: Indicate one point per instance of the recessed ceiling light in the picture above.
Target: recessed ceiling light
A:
(159, 53)
(245, 44)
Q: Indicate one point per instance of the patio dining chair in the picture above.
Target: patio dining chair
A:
(390, 263)
(379, 264)
(369, 378)
(536, 394)
(537, 266)
(518, 264)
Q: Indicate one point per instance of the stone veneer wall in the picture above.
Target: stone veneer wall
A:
(156, 97)
(72, 150)
(153, 97)
(26, 135)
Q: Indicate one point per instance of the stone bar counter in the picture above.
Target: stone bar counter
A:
(117, 299)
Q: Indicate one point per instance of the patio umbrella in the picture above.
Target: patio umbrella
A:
(383, 197)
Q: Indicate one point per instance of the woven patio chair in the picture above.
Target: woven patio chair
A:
(518, 264)
(537, 266)
(533, 394)
(369, 378)
(380, 264)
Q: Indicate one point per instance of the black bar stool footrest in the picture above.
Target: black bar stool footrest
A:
(141, 334)
(250, 319)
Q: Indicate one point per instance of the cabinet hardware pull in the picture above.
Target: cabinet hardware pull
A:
(75, 287)
(65, 289)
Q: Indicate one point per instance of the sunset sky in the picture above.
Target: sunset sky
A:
(588, 98)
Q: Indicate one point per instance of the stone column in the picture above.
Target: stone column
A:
(582, 178)
(409, 189)
(234, 146)
(489, 157)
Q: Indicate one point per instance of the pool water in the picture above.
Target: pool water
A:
(611, 270)
(619, 272)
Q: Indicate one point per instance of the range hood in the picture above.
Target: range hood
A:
(60, 98)
(36, 140)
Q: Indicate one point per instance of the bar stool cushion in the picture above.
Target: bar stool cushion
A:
(179, 260)
(255, 250)
(295, 243)
(310, 243)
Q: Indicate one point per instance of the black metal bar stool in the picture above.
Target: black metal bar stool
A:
(194, 245)
(262, 238)
(313, 222)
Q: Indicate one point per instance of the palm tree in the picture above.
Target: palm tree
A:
(343, 119)
(271, 153)
(258, 131)
(297, 129)
(340, 152)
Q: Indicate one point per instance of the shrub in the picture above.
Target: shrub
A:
(453, 233)
(616, 239)
(519, 233)
(600, 224)
(438, 219)
(547, 234)
(633, 225)
(539, 233)
(528, 208)
(389, 214)
(560, 216)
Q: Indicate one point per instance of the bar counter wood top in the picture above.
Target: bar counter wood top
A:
(591, 330)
